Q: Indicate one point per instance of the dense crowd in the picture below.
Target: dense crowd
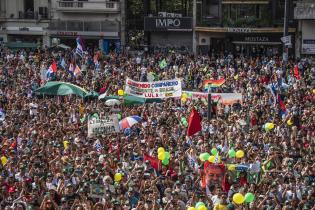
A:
(39, 171)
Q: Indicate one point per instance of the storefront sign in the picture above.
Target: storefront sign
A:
(159, 89)
(103, 126)
(67, 33)
(304, 10)
(239, 30)
(256, 39)
(308, 46)
(167, 24)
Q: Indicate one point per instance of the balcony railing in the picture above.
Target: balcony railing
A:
(88, 6)
(96, 26)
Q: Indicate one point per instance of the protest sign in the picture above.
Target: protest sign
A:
(158, 89)
(103, 126)
(224, 98)
(97, 191)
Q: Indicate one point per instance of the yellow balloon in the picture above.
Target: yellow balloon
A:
(240, 154)
(191, 208)
(184, 99)
(270, 126)
(120, 92)
(238, 198)
(161, 149)
(184, 95)
(314, 91)
(202, 208)
(211, 159)
(117, 177)
(161, 155)
(65, 144)
(289, 122)
(4, 160)
(231, 167)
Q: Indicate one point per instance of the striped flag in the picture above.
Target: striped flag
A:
(79, 49)
(98, 147)
(216, 160)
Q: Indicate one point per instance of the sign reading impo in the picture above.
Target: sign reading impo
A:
(167, 24)
(103, 126)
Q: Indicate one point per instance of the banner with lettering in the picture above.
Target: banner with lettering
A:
(224, 98)
(103, 126)
(157, 89)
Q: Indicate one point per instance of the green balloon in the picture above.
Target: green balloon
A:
(119, 116)
(204, 156)
(249, 197)
(183, 119)
(232, 153)
(167, 155)
(165, 161)
(214, 151)
(190, 95)
(185, 124)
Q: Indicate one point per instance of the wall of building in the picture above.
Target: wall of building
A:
(308, 37)
(176, 39)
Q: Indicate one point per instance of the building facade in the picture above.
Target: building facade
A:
(248, 27)
(304, 12)
(46, 22)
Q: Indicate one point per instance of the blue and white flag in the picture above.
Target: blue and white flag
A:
(216, 160)
(71, 69)
(79, 49)
(63, 63)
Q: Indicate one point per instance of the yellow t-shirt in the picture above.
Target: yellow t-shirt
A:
(220, 207)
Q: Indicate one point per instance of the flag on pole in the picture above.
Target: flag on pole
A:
(52, 70)
(79, 49)
(163, 64)
(216, 160)
(77, 70)
(194, 123)
(296, 72)
(63, 63)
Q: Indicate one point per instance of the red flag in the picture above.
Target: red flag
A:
(296, 72)
(155, 163)
(194, 123)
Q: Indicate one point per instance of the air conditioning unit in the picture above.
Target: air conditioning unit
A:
(204, 40)
(162, 14)
(178, 15)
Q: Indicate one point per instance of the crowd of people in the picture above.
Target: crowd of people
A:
(48, 162)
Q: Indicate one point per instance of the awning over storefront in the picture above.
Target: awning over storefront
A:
(13, 45)
(242, 30)
(258, 43)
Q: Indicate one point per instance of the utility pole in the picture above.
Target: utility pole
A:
(285, 33)
(209, 107)
(194, 27)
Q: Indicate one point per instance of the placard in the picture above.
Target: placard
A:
(103, 126)
(158, 89)
(224, 98)
(97, 191)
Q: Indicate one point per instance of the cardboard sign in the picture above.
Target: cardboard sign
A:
(103, 126)
(97, 191)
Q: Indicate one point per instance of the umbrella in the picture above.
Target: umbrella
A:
(129, 121)
(61, 89)
(112, 102)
